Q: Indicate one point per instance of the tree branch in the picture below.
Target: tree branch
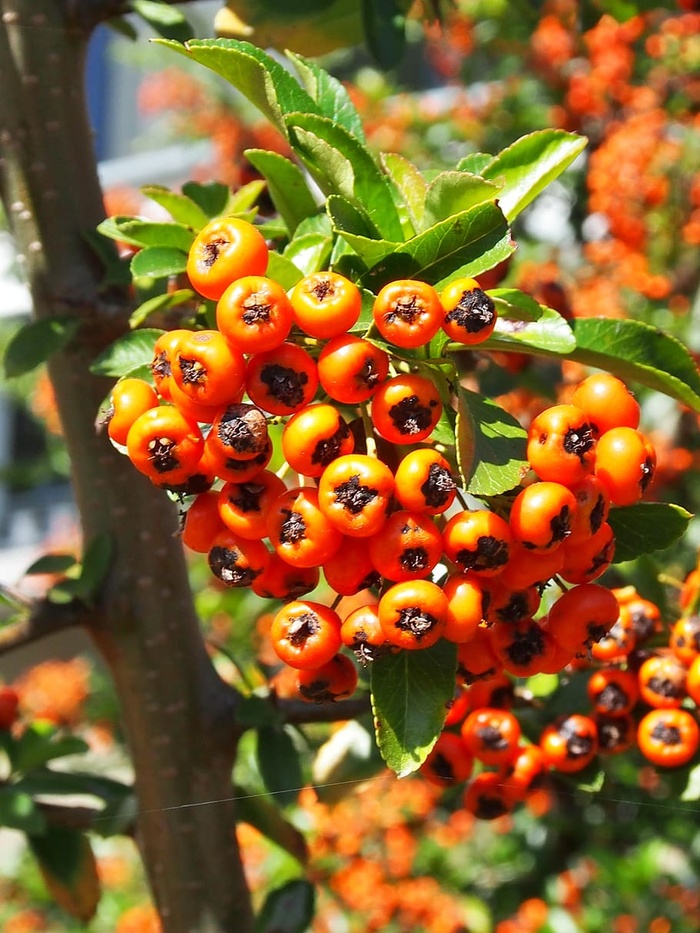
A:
(300, 712)
(44, 618)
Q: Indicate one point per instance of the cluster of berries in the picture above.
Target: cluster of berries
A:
(440, 567)
(639, 696)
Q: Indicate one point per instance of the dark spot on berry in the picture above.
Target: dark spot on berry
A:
(474, 311)
(490, 553)
(415, 620)
(293, 527)
(597, 515)
(612, 697)
(668, 735)
(327, 449)
(302, 628)
(318, 691)
(579, 441)
(284, 384)
(442, 768)
(228, 564)
(577, 744)
(246, 497)
(526, 645)
(647, 474)
(242, 429)
(353, 496)
(409, 416)
(256, 310)
(368, 374)
(491, 738)
(212, 250)
(489, 808)
(560, 525)
(406, 310)
(193, 372)
(162, 453)
(414, 559)
(665, 687)
(438, 487)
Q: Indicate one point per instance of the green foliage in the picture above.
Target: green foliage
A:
(35, 342)
(288, 909)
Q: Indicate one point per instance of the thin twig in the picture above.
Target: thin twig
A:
(43, 618)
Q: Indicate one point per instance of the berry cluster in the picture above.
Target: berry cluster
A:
(376, 507)
(643, 688)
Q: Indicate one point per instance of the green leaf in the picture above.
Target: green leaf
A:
(645, 527)
(181, 208)
(692, 788)
(256, 712)
(211, 197)
(349, 217)
(287, 186)
(258, 76)
(278, 760)
(283, 271)
(110, 227)
(245, 198)
(465, 244)
(490, 446)
(116, 268)
(46, 782)
(162, 302)
(69, 869)
(170, 235)
(410, 693)
(309, 252)
(164, 18)
(410, 184)
(96, 562)
(474, 163)
(349, 756)
(158, 262)
(268, 820)
(385, 31)
(340, 164)
(329, 94)
(51, 563)
(122, 27)
(127, 353)
(638, 352)
(453, 192)
(42, 742)
(288, 909)
(527, 166)
(523, 322)
(35, 342)
(18, 811)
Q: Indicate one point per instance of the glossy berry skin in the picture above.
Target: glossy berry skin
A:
(281, 381)
(476, 659)
(524, 648)
(582, 616)
(585, 561)
(164, 445)
(350, 369)
(477, 541)
(449, 761)
(413, 613)
(465, 606)
(227, 248)
(425, 482)
(350, 569)
(362, 633)
(298, 529)
(607, 403)
(161, 365)
(487, 797)
(405, 409)
(279, 580)
(469, 313)
(662, 681)
(9, 706)
(491, 735)
(561, 445)
(305, 634)
(314, 437)
(243, 507)
(668, 737)
(335, 680)
(354, 493)
(541, 515)
(406, 547)
(129, 399)
(592, 508)
(325, 304)
(685, 638)
(613, 691)
(407, 313)
(208, 369)
(625, 464)
(254, 314)
(239, 431)
(202, 522)
(570, 743)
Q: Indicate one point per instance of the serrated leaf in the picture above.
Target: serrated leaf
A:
(171, 235)
(287, 186)
(521, 325)
(526, 167)
(127, 353)
(309, 252)
(453, 192)
(164, 18)
(340, 164)
(158, 262)
(69, 869)
(410, 184)
(490, 445)
(329, 94)
(475, 162)
(35, 342)
(258, 76)
(410, 693)
(268, 820)
(638, 352)
(465, 244)
(160, 303)
(51, 563)
(288, 909)
(646, 527)
(279, 764)
(211, 197)
(18, 811)
(181, 208)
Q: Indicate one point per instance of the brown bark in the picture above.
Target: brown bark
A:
(179, 717)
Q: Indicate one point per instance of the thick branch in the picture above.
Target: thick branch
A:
(299, 712)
